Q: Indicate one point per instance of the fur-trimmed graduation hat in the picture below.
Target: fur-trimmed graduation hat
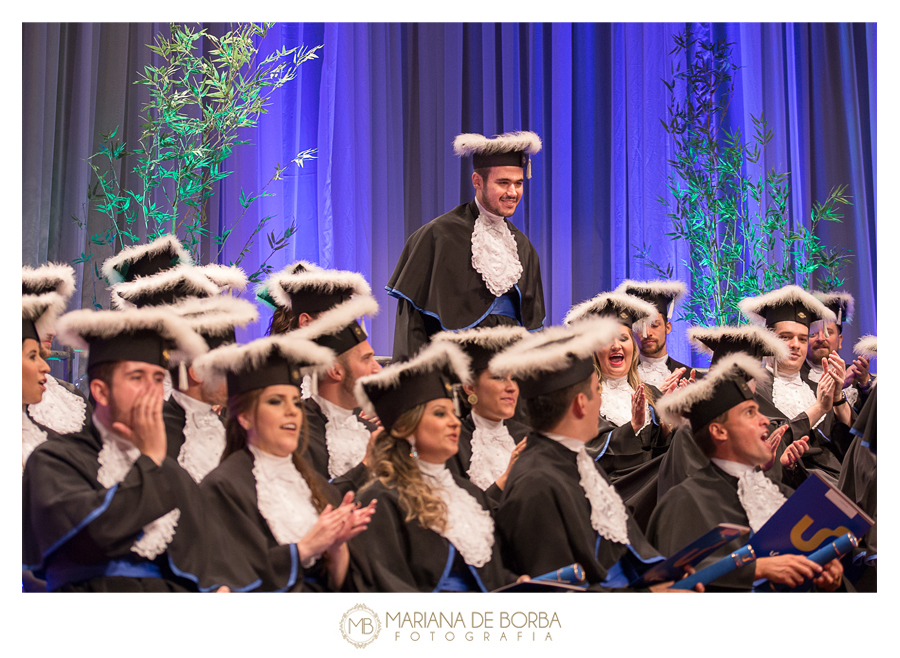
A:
(51, 277)
(228, 278)
(790, 303)
(39, 313)
(270, 361)
(750, 339)
(839, 303)
(338, 329)
(662, 294)
(262, 289)
(511, 149)
(150, 335)
(483, 343)
(145, 260)
(724, 386)
(315, 291)
(402, 386)
(165, 288)
(556, 357)
(625, 309)
(215, 318)
(866, 346)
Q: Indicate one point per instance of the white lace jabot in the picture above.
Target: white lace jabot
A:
(608, 514)
(615, 404)
(283, 498)
(32, 437)
(792, 396)
(653, 370)
(491, 447)
(759, 496)
(116, 458)
(469, 527)
(204, 437)
(346, 437)
(495, 255)
(815, 372)
(59, 409)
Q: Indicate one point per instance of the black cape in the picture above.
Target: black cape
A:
(317, 449)
(697, 505)
(73, 527)
(395, 555)
(545, 520)
(230, 495)
(460, 462)
(434, 278)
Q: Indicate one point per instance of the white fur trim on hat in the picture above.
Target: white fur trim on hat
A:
(60, 275)
(43, 310)
(335, 319)
(618, 300)
(752, 307)
(195, 279)
(74, 326)
(162, 243)
(672, 289)
(226, 277)
(846, 301)
(216, 364)
(431, 357)
(866, 346)
(547, 351)
(325, 281)
(215, 315)
(673, 406)
(263, 286)
(490, 338)
(471, 143)
(753, 333)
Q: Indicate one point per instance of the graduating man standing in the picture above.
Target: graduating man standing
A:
(471, 267)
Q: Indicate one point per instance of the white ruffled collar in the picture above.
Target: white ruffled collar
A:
(608, 514)
(492, 445)
(653, 370)
(204, 437)
(758, 495)
(792, 396)
(59, 409)
(469, 526)
(615, 403)
(32, 437)
(653, 360)
(116, 458)
(284, 498)
(346, 437)
(495, 254)
(816, 372)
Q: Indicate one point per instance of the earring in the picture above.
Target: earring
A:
(412, 444)
(472, 399)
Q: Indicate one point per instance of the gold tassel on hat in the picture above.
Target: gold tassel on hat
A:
(182, 377)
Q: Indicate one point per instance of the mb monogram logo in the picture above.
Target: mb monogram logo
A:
(360, 626)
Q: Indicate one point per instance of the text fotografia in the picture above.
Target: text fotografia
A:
(479, 626)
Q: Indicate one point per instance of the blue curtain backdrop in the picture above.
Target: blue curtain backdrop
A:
(384, 101)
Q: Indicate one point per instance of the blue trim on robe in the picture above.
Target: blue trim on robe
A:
(626, 570)
(295, 564)
(823, 435)
(605, 446)
(107, 499)
(393, 292)
(194, 579)
(76, 573)
(453, 582)
(855, 432)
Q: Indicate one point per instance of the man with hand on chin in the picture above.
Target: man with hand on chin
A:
(789, 312)
(471, 267)
(728, 427)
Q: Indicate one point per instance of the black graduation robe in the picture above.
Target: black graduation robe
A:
(545, 521)
(434, 279)
(827, 443)
(317, 449)
(697, 505)
(395, 555)
(460, 462)
(229, 492)
(77, 534)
